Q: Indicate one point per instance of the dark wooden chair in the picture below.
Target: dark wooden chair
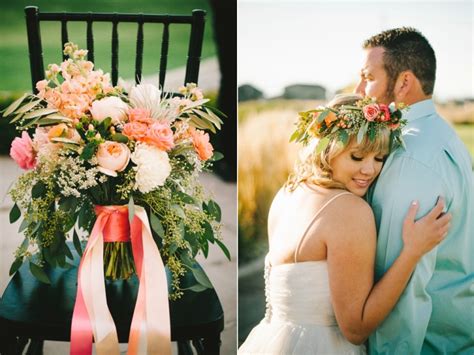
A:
(196, 21)
(32, 312)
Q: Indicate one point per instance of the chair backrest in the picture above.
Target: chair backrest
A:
(196, 20)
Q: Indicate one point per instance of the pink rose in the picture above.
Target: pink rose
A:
(201, 144)
(160, 135)
(22, 152)
(385, 113)
(135, 130)
(139, 114)
(371, 112)
(112, 157)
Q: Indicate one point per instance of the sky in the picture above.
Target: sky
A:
(282, 42)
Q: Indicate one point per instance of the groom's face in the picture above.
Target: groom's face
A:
(373, 80)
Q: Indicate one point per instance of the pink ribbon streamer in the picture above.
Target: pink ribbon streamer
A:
(150, 331)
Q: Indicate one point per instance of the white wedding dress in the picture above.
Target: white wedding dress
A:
(299, 317)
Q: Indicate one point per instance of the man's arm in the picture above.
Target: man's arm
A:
(403, 181)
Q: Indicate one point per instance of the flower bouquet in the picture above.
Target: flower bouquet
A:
(89, 148)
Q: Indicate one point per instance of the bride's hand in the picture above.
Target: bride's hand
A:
(419, 237)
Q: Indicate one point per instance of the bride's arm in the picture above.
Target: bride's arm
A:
(359, 305)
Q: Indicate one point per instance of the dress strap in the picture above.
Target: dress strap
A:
(314, 220)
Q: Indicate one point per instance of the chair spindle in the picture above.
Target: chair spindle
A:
(195, 47)
(114, 52)
(139, 54)
(90, 39)
(165, 41)
(64, 36)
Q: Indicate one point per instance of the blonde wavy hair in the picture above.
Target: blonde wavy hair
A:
(316, 168)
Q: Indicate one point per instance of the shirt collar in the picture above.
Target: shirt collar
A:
(419, 109)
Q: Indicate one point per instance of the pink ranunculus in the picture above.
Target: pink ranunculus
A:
(140, 115)
(135, 130)
(22, 152)
(385, 113)
(112, 157)
(201, 144)
(160, 135)
(371, 112)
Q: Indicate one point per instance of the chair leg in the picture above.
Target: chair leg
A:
(12, 345)
(212, 344)
(198, 345)
(184, 348)
(35, 348)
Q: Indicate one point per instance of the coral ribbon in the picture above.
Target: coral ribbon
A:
(150, 329)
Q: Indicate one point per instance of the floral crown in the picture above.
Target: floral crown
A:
(364, 117)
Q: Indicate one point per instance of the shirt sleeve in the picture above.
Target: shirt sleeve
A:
(402, 181)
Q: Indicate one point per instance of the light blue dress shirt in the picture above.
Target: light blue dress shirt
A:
(435, 314)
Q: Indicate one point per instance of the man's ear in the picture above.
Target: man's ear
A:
(404, 84)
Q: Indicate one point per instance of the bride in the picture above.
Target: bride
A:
(319, 271)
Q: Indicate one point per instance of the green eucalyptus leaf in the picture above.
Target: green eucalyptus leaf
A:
(119, 137)
(343, 137)
(14, 105)
(214, 210)
(38, 190)
(67, 252)
(156, 225)
(40, 112)
(201, 277)
(362, 131)
(15, 266)
(15, 213)
(77, 243)
(185, 197)
(28, 106)
(322, 144)
(17, 117)
(223, 248)
(179, 211)
(24, 224)
(216, 156)
(39, 273)
(197, 288)
(208, 232)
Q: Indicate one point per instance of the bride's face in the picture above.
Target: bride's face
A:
(355, 169)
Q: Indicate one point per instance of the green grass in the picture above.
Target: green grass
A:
(14, 63)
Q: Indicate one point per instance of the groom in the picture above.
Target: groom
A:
(435, 314)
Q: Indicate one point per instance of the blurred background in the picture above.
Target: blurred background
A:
(295, 55)
(217, 79)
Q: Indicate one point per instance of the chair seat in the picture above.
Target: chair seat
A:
(32, 309)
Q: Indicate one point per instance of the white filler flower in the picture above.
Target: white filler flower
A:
(153, 167)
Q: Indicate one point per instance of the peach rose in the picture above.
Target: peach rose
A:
(201, 144)
(371, 112)
(160, 135)
(22, 152)
(139, 114)
(57, 131)
(135, 130)
(112, 157)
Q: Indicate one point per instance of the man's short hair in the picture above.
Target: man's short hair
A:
(406, 49)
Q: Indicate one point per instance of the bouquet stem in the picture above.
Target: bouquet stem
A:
(118, 260)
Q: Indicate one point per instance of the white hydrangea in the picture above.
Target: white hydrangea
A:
(153, 167)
